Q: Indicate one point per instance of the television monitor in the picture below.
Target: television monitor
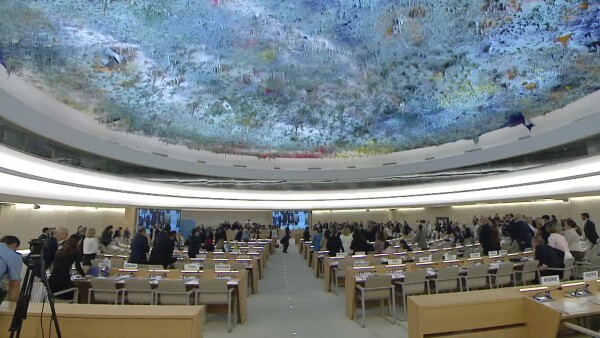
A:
(295, 219)
(148, 218)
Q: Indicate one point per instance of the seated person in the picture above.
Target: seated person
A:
(548, 257)
(60, 277)
(404, 246)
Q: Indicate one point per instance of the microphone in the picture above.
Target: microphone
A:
(582, 291)
(544, 296)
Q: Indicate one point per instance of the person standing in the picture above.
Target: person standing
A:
(10, 267)
(285, 241)
(558, 241)
(334, 244)
(139, 247)
(194, 243)
(544, 229)
(572, 236)
(45, 234)
(67, 256)
(522, 232)
(106, 236)
(316, 240)
(346, 238)
(421, 238)
(53, 243)
(90, 246)
(126, 235)
(589, 229)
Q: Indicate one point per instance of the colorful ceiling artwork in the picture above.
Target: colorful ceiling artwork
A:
(306, 78)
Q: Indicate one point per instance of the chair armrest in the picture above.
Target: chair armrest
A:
(410, 283)
(557, 269)
(445, 279)
(117, 291)
(75, 293)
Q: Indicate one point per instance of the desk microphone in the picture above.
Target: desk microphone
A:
(546, 295)
(582, 291)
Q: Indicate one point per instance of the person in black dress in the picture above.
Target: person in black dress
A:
(194, 243)
(67, 255)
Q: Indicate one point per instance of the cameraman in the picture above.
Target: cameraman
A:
(10, 265)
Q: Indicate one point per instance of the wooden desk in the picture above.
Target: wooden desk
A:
(239, 284)
(101, 321)
(497, 313)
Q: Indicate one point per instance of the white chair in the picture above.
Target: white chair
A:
(567, 270)
(104, 290)
(447, 280)
(172, 292)
(504, 276)
(39, 294)
(414, 283)
(477, 277)
(378, 288)
(528, 273)
(139, 291)
(216, 291)
(340, 272)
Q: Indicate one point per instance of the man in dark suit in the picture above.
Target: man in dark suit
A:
(589, 229)
(164, 244)
(194, 243)
(139, 247)
(45, 234)
(522, 232)
(544, 228)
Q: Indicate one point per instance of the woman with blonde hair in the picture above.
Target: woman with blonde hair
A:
(90, 246)
(346, 238)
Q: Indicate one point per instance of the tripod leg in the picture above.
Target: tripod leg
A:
(51, 302)
(22, 304)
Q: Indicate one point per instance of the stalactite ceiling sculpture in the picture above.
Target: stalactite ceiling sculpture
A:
(306, 78)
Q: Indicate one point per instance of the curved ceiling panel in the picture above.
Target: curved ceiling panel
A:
(306, 79)
(23, 176)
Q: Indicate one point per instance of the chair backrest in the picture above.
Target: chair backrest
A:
(594, 263)
(139, 291)
(172, 292)
(477, 270)
(104, 290)
(375, 281)
(569, 265)
(477, 276)
(437, 256)
(447, 279)
(529, 272)
(448, 273)
(179, 265)
(208, 266)
(212, 291)
(414, 282)
(503, 275)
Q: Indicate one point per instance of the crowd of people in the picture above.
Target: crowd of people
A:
(545, 236)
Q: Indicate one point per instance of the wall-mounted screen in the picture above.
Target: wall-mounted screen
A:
(148, 218)
(293, 219)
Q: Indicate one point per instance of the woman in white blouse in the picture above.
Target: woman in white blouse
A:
(558, 241)
(346, 238)
(90, 246)
(573, 237)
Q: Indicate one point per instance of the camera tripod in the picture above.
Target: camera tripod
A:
(35, 268)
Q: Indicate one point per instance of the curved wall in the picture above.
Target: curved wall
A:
(25, 177)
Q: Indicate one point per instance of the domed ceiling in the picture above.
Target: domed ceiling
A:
(306, 78)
